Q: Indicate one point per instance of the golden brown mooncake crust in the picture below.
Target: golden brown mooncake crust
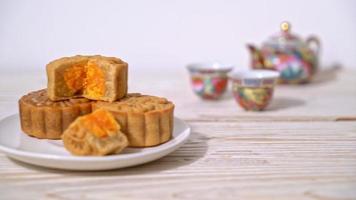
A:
(95, 134)
(146, 120)
(45, 119)
(115, 77)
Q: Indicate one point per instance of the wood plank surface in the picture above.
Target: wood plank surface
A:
(302, 147)
(282, 160)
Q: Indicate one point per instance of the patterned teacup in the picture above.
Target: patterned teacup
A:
(209, 80)
(253, 89)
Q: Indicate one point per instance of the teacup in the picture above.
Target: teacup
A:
(253, 89)
(209, 80)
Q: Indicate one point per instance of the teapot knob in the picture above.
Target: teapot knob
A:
(285, 26)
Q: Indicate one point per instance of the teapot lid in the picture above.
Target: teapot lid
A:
(285, 39)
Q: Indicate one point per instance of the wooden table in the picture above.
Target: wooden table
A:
(302, 147)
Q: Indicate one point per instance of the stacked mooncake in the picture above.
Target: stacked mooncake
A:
(79, 85)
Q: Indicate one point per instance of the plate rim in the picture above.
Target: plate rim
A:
(183, 136)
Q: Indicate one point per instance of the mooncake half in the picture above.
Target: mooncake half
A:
(146, 120)
(92, 77)
(42, 118)
(95, 134)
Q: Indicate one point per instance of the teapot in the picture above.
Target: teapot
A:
(295, 59)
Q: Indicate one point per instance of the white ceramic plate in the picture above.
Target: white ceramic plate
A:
(51, 153)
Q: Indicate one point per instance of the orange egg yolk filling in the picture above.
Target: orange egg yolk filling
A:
(100, 123)
(88, 79)
(74, 78)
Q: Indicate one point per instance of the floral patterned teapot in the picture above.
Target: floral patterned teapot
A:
(295, 59)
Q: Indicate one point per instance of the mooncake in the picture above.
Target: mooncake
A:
(92, 77)
(146, 120)
(96, 134)
(42, 118)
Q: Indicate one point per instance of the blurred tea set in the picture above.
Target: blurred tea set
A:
(284, 58)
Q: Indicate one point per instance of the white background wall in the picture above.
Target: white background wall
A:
(163, 33)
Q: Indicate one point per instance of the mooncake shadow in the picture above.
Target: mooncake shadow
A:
(281, 103)
(194, 149)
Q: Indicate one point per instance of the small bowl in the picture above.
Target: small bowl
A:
(209, 80)
(253, 89)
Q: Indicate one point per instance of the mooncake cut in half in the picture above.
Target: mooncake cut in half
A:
(93, 77)
(95, 134)
(146, 120)
(42, 118)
